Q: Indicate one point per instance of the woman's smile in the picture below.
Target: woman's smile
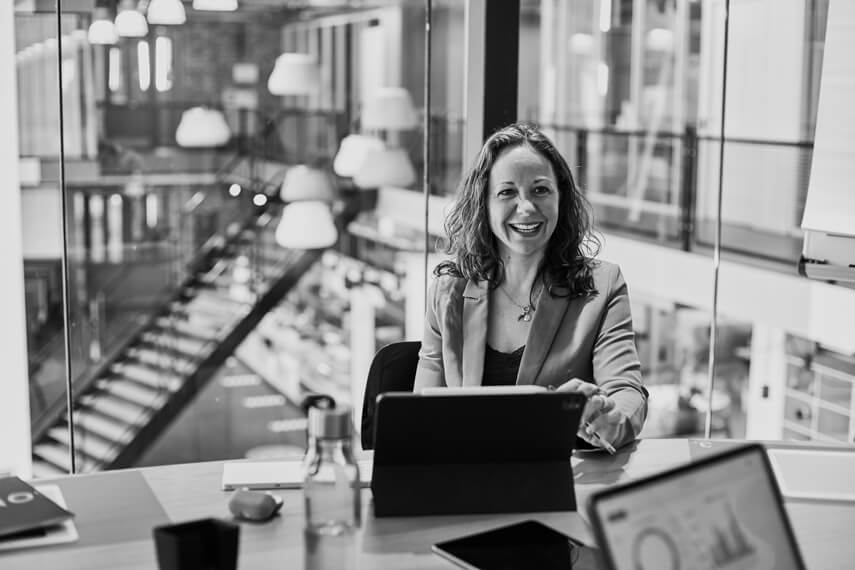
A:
(526, 229)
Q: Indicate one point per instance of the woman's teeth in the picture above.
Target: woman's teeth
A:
(526, 228)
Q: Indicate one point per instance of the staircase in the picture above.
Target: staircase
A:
(130, 399)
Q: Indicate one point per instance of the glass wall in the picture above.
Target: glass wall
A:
(205, 254)
(635, 93)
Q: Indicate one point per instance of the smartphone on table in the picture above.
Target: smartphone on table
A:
(524, 545)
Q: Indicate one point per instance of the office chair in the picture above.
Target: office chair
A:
(393, 369)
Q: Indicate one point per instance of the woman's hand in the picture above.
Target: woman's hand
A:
(599, 418)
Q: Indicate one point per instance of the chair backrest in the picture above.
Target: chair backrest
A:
(392, 370)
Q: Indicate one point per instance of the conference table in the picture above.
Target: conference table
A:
(117, 510)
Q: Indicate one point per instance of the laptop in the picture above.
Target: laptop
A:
(474, 453)
(724, 511)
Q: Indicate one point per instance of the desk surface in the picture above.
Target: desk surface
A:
(191, 491)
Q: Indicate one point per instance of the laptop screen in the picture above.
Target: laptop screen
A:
(723, 513)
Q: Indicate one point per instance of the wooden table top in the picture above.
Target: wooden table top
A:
(121, 507)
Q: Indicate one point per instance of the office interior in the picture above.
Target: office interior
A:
(217, 207)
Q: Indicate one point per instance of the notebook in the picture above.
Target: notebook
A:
(723, 511)
(275, 474)
(45, 535)
(22, 507)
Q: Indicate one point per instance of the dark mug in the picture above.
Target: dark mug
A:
(204, 544)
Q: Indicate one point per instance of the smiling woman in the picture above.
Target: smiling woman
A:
(523, 299)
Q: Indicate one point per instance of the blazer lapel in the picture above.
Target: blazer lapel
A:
(475, 303)
(544, 326)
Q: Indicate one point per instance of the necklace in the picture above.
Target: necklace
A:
(527, 310)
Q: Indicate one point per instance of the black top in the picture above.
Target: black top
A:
(500, 368)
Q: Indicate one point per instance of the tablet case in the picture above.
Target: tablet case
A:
(440, 455)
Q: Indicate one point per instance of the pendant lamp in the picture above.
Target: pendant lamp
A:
(302, 183)
(166, 12)
(101, 30)
(201, 127)
(306, 225)
(352, 152)
(130, 23)
(390, 108)
(215, 5)
(385, 167)
(294, 74)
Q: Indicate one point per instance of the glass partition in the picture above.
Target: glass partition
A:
(190, 294)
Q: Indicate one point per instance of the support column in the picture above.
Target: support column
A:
(492, 70)
(15, 445)
(767, 383)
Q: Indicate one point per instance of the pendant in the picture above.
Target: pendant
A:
(526, 314)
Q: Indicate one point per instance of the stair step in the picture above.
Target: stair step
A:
(223, 303)
(107, 428)
(200, 328)
(139, 395)
(45, 470)
(185, 345)
(162, 359)
(56, 454)
(144, 375)
(121, 410)
(89, 444)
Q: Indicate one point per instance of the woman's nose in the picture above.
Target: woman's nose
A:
(524, 205)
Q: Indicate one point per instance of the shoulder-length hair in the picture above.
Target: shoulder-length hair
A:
(567, 265)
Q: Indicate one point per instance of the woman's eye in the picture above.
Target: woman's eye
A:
(505, 193)
(542, 190)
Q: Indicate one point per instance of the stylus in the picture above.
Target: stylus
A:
(606, 445)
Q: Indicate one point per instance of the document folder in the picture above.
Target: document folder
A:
(472, 454)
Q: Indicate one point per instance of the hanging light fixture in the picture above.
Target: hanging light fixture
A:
(385, 167)
(294, 74)
(352, 151)
(302, 183)
(166, 12)
(390, 108)
(101, 30)
(130, 23)
(201, 127)
(306, 225)
(216, 5)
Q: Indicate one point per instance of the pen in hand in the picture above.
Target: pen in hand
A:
(587, 425)
(606, 445)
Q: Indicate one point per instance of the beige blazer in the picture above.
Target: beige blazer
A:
(588, 337)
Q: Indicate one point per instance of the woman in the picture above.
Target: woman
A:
(522, 300)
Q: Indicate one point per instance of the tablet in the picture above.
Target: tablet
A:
(523, 545)
(260, 475)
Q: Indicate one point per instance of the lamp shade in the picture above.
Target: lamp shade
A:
(294, 74)
(660, 39)
(352, 151)
(385, 167)
(201, 127)
(101, 30)
(302, 183)
(306, 225)
(130, 23)
(215, 5)
(390, 108)
(166, 12)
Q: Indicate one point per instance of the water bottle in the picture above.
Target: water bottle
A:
(331, 489)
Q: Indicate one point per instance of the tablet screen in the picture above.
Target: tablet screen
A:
(523, 545)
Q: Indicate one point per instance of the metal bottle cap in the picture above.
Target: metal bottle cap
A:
(332, 423)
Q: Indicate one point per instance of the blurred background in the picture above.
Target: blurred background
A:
(221, 207)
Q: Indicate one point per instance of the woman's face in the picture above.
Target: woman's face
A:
(523, 201)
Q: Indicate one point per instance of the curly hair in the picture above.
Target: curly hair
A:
(568, 262)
